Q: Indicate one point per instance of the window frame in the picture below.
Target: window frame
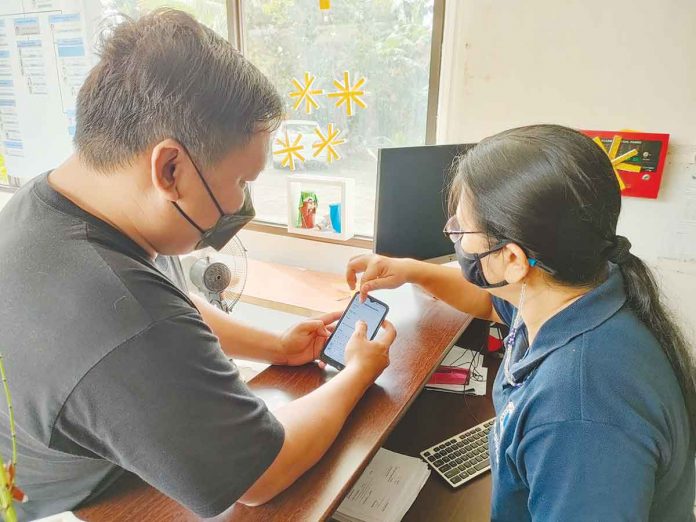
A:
(237, 35)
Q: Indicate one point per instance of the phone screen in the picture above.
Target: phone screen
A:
(371, 311)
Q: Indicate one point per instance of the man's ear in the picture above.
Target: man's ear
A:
(516, 263)
(167, 162)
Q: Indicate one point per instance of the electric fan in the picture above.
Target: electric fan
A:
(221, 277)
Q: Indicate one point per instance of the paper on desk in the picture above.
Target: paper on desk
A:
(461, 358)
(386, 490)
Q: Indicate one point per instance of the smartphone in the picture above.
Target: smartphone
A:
(372, 312)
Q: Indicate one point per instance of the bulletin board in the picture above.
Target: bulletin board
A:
(45, 55)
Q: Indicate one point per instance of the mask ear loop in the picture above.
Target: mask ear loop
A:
(205, 183)
(480, 256)
(188, 218)
(512, 336)
(483, 274)
(536, 263)
(207, 188)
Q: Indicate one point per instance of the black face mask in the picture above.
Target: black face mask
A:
(227, 225)
(472, 270)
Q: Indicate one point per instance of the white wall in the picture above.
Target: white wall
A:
(624, 64)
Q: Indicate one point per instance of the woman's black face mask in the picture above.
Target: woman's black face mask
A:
(472, 268)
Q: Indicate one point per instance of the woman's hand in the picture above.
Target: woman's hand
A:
(377, 272)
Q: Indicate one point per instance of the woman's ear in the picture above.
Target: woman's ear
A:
(516, 263)
(165, 164)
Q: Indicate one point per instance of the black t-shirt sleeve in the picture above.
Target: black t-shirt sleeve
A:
(169, 406)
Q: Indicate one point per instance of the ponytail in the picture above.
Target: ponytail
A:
(644, 298)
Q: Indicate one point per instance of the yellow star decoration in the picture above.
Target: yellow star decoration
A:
(305, 93)
(618, 162)
(328, 143)
(291, 151)
(348, 94)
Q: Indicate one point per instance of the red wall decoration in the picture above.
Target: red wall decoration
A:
(638, 159)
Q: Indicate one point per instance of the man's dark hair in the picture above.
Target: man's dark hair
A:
(167, 76)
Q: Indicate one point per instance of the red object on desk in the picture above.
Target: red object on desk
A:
(495, 338)
(450, 375)
(494, 343)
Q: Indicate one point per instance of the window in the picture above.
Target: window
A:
(382, 49)
(212, 13)
(387, 43)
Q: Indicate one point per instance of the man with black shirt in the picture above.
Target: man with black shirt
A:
(112, 366)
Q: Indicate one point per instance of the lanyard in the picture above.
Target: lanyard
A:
(510, 343)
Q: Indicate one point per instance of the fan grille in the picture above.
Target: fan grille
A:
(217, 277)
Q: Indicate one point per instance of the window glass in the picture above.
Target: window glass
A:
(361, 67)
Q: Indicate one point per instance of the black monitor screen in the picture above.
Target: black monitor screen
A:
(411, 208)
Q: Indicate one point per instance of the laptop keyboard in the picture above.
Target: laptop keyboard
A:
(462, 457)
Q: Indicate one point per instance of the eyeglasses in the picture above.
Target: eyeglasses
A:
(455, 235)
(453, 232)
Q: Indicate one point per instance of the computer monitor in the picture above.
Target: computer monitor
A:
(411, 203)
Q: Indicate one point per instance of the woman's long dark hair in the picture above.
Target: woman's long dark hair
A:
(553, 191)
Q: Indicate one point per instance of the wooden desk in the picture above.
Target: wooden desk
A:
(295, 290)
(435, 416)
(426, 328)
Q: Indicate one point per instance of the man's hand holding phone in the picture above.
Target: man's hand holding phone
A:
(369, 357)
(312, 422)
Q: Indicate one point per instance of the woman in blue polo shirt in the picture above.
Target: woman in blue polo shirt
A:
(596, 395)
